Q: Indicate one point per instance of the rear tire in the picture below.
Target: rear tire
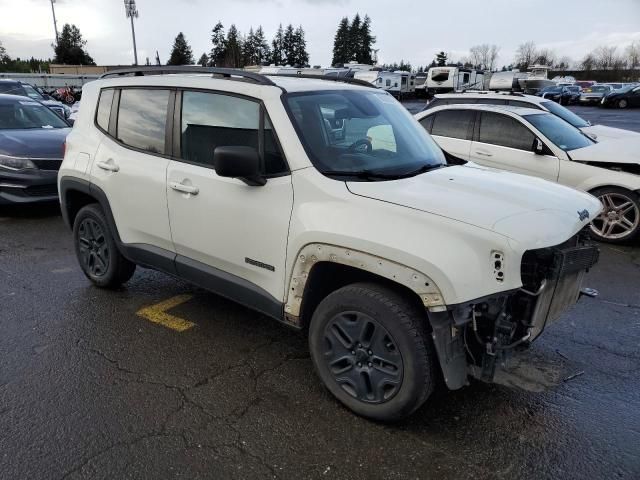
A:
(623, 103)
(96, 249)
(619, 222)
(369, 346)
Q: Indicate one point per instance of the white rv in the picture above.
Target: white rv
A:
(369, 76)
(454, 79)
(398, 83)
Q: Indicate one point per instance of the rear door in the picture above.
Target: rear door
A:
(131, 162)
(505, 143)
(453, 130)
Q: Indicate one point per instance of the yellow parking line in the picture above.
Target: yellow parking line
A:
(158, 313)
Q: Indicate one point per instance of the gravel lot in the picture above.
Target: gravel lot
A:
(89, 389)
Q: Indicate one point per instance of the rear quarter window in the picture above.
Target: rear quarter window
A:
(103, 112)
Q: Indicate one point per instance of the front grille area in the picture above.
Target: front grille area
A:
(41, 190)
(47, 164)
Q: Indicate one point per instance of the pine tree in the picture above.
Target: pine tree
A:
(233, 54)
(366, 42)
(355, 39)
(181, 53)
(262, 47)
(288, 45)
(70, 47)
(204, 60)
(301, 56)
(219, 42)
(249, 53)
(441, 59)
(341, 45)
(277, 47)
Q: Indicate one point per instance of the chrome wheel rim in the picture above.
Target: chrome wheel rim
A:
(619, 219)
(622, 103)
(362, 357)
(94, 251)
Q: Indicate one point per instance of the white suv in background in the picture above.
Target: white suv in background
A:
(514, 99)
(534, 142)
(325, 205)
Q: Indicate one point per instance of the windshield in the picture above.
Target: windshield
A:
(562, 134)
(600, 88)
(28, 114)
(552, 90)
(565, 114)
(32, 92)
(11, 88)
(350, 132)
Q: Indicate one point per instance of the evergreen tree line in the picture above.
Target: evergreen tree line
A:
(353, 41)
(235, 50)
(70, 50)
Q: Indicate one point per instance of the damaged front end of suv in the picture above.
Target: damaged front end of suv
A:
(474, 338)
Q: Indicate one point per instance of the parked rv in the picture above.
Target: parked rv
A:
(453, 79)
(421, 84)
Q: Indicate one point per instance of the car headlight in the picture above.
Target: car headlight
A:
(16, 163)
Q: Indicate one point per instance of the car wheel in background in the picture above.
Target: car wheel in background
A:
(619, 222)
(97, 252)
(622, 103)
(369, 346)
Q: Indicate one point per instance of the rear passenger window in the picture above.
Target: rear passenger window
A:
(142, 118)
(104, 108)
(452, 123)
(427, 123)
(211, 120)
(496, 129)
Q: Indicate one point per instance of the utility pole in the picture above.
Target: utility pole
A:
(132, 12)
(55, 23)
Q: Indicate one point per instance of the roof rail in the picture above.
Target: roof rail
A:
(332, 78)
(228, 73)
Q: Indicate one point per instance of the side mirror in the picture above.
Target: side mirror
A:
(538, 147)
(238, 162)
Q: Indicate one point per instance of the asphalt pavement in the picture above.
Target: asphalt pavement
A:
(92, 387)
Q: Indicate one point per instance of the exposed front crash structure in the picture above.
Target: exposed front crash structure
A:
(473, 338)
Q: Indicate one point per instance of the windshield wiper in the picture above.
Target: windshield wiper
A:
(364, 174)
(373, 175)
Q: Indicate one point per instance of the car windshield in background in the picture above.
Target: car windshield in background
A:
(27, 114)
(565, 114)
(562, 134)
(552, 90)
(10, 88)
(600, 89)
(363, 134)
(33, 93)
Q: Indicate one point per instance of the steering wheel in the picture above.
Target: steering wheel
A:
(361, 146)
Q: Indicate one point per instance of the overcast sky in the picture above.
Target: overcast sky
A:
(409, 30)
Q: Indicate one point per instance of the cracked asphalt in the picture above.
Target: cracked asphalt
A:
(89, 390)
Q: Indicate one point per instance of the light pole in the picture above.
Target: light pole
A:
(55, 24)
(132, 12)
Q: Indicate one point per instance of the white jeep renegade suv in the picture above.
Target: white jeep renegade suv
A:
(324, 205)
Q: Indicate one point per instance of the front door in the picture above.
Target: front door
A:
(222, 225)
(505, 143)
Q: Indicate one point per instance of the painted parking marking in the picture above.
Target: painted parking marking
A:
(158, 313)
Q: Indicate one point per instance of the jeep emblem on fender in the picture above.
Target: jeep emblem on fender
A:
(583, 214)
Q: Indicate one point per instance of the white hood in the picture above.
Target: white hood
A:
(526, 209)
(624, 150)
(601, 132)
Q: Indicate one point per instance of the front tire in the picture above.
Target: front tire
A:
(619, 222)
(369, 347)
(623, 103)
(97, 252)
